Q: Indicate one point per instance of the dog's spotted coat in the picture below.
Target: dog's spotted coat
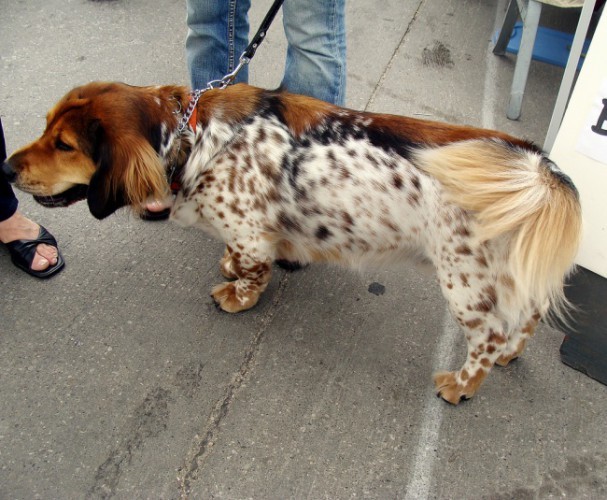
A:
(277, 176)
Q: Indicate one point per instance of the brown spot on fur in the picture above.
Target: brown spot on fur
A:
(496, 338)
(208, 178)
(529, 328)
(273, 195)
(480, 259)
(484, 306)
(463, 250)
(379, 186)
(347, 218)
(491, 294)
(260, 204)
(261, 135)
(389, 224)
(464, 278)
(344, 173)
(236, 209)
(462, 231)
(267, 169)
(413, 199)
(372, 160)
(474, 323)
(485, 362)
(239, 146)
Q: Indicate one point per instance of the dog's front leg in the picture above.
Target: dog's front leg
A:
(252, 276)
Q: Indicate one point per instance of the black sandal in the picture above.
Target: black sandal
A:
(23, 252)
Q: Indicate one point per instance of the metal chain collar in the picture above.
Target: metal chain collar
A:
(213, 84)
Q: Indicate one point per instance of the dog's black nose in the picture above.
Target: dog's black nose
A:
(8, 172)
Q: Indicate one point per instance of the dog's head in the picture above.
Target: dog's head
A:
(100, 143)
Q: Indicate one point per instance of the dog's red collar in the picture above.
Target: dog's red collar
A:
(192, 120)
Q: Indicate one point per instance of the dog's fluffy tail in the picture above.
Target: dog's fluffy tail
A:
(518, 194)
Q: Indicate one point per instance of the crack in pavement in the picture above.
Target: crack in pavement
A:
(203, 445)
(383, 76)
(149, 419)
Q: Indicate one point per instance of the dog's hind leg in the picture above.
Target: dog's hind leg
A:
(226, 265)
(486, 340)
(252, 276)
(517, 340)
(472, 299)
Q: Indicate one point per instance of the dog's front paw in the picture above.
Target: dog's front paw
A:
(453, 391)
(232, 299)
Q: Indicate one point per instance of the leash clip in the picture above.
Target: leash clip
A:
(228, 79)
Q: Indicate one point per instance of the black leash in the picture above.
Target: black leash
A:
(263, 29)
(249, 52)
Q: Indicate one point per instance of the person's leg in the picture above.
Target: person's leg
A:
(316, 54)
(218, 33)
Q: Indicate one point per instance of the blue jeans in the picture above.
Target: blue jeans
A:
(218, 32)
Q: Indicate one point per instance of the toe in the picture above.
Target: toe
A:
(46, 256)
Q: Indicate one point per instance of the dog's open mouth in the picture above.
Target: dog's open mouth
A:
(72, 195)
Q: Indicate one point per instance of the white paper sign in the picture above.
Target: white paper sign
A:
(593, 137)
(580, 150)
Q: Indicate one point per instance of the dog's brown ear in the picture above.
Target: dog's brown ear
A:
(102, 199)
(129, 172)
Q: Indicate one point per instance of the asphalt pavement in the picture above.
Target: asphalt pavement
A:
(120, 379)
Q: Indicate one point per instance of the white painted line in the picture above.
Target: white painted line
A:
(432, 417)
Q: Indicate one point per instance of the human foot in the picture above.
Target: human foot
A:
(20, 235)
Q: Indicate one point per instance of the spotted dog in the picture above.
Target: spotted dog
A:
(282, 176)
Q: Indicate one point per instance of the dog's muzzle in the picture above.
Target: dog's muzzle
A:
(65, 199)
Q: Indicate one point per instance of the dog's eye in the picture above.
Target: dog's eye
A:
(63, 146)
